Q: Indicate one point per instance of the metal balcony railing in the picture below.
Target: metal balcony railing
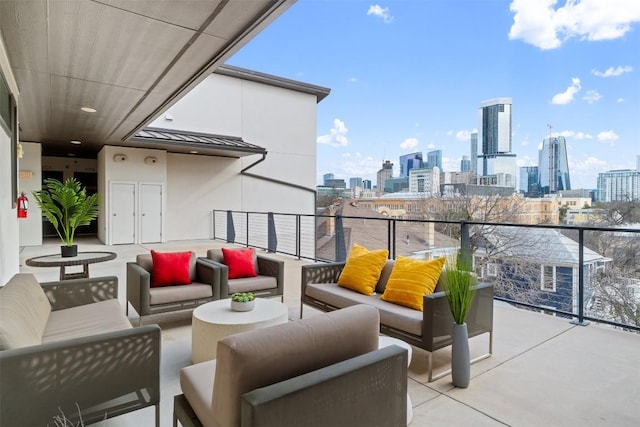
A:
(582, 273)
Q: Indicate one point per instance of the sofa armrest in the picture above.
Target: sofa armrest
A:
(223, 272)
(379, 378)
(209, 273)
(39, 381)
(274, 268)
(320, 273)
(438, 322)
(138, 286)
(75, 292)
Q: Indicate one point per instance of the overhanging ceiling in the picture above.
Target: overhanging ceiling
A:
(128, 59)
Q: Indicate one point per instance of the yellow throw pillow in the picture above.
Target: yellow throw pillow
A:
(362, 269)
(411, 279)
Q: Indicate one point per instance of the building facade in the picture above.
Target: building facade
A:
(408, 162)
(494, 137)
(386, 172)
(465, 164)
(553, 166)
(619, 186)
(474, 152)
(425, 181)
(434, 159)
(529, 181)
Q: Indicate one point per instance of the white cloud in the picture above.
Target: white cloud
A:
(352, 79)
(409, 144)
(587, 167)
(592, 96)
(620, 100)
(431, 147)
(567, 96)
(539, 23)
(612, 72)
(337, 136)
(380, 12)
(463, 135)
(608, 136)
(360, 166)
(572, 134)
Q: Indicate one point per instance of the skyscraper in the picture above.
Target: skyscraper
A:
(553, 166)
(494, 136)
(434, 159)
(465, 164)
(474, 152)
(355, 182)
(529, 181)
(408, 162)
(366, 184)
(383, 174)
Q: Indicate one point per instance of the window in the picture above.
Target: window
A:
(548, 278)
(492, 269)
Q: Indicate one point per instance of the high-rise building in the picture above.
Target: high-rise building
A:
(327, 177)
(355, 182)
(425, 181)
(638, 163)
(619, 186)
(474, 152)
(465, 164)
(366, 184)
(494, 137)
(434, 159)
(408, 162)
(383, 174)
(529, 181)
(553, 166)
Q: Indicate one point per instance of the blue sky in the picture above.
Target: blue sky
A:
(410, 75)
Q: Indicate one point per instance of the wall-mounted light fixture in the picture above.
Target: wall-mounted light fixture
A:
(151, 160)
(119, 158)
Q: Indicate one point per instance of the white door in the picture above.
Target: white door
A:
(122, 216)
(150, 213)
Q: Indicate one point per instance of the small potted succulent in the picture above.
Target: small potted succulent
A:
(243, 301)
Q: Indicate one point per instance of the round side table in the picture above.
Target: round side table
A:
(215, 320)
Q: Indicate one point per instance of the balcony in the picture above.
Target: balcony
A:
(545, 370)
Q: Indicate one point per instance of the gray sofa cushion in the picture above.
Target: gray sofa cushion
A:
(392, 315)
(248, 284)
(85, 320)
(24, 312)
(179, 293)
(196, 382)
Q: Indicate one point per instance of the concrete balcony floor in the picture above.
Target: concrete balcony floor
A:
(544, 370)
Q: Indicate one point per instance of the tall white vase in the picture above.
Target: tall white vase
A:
(460, 362)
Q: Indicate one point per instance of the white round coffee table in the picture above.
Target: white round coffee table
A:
(384, 341)
(215, 320)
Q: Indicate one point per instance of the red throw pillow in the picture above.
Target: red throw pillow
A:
(240, 262)
(170, 268)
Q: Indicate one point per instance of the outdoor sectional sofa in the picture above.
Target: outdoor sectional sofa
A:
(430, 329)
(67, 346)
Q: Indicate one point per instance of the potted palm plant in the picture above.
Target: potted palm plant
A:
(67, 207)
(460, 289)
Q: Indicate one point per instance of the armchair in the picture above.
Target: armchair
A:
(148, 300)
(268, 283)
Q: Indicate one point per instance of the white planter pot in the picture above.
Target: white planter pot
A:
(243, 306)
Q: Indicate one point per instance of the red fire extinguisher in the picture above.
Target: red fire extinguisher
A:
(23, 205)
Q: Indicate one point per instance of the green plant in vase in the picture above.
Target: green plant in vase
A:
(243, 301)
(67, 207)
(460, 290)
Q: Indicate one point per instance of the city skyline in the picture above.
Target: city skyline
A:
(409, 76)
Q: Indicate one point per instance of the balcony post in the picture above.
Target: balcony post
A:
(231, 231)
(465, 243)
(247, 223)
(341, 250)
(272, 237)
(580, 320)
(299, 237)
(393, 240)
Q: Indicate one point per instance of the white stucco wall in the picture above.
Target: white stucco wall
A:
(9, 237)
(281, 120)
(30, 172)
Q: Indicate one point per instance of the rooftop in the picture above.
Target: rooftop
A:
(544, 370)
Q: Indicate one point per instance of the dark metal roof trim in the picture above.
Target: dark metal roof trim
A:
(242, 73)
(196, 139)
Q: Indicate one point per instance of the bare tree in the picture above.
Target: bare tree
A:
(616, 297)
